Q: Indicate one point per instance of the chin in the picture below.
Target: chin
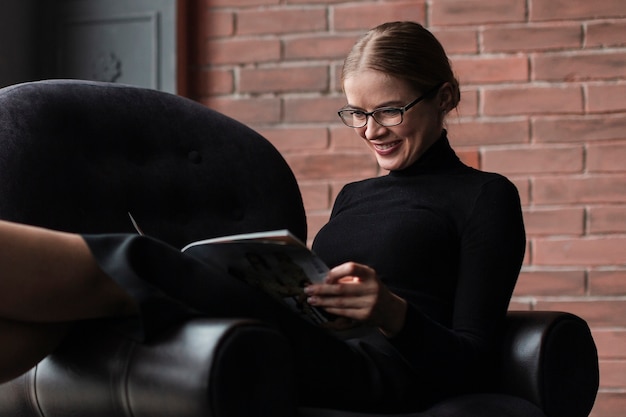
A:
(390, 166)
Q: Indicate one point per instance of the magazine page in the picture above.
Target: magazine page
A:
(276, 262)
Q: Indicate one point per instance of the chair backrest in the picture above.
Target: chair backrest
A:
(79, 155)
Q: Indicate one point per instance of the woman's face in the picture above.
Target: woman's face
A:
(395, 147)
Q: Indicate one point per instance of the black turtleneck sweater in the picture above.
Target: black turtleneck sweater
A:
(450, 240)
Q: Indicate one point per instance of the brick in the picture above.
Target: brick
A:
(579, 129)
(314, 1)
(550, 283)
(364, 15)
(583, 252)
(608, 283)
(314, 109)
(490, 70)
(609, 404)
(554, 221)
(605, 34)
(468, 105)
(476, 12)
(607, 219)
(215, 24)
(533, 100)
(579, 190)
(266, 110)
(239, 3)
(469, 157)
(290, 139)
(610, 343)
(457, 41)
(520, 304)
(284, 79)
(279, 21)
(325, 166)
(575, 9)
(606, 98)
(480, 133)
(601, 313)
(335, 70)
(527, 260)
(604, 65)
(241, 51)
(345, 138)
(612, 374)
(523, 188)
(318, 47)
(534, 160)
(608, 157)
(532, 38)
(214, 82)
(315, 195)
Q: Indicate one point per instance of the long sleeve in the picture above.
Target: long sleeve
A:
(448, 239)
(456, 357)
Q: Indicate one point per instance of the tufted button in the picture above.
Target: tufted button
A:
(195, 157)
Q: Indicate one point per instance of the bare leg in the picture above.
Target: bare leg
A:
(47, 280)
(22, 345)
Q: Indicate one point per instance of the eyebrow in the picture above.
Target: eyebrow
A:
(382, 106)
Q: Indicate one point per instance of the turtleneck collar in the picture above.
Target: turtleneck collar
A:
(439, 157)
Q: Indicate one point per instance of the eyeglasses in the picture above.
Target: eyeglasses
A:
(384, 116)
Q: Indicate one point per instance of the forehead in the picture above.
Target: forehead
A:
(370, 88)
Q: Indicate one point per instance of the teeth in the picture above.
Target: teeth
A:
(386, 146)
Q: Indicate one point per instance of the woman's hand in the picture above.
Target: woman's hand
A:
(353, 291)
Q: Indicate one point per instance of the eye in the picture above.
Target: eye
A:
(388, 112)
(357, 114)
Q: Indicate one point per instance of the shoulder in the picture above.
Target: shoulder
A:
(484, 181)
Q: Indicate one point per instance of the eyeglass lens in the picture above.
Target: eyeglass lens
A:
(384, 117)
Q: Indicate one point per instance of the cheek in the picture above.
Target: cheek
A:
(416, 132)
(360, 132)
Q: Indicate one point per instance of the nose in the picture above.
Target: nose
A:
(373, 129)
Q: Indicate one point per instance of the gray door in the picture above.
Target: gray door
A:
(123, 41)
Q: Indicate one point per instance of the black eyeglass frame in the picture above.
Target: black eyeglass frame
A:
(402, 110)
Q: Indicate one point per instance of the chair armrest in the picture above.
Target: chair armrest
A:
(203, 367)
(550, 359)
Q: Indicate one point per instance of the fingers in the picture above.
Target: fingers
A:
(337, 296)
(350, 272)
(353, 291)
(350, 290)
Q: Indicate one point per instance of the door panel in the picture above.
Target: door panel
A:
(125, 41)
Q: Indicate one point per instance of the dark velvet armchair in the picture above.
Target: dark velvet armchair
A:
(78, 156)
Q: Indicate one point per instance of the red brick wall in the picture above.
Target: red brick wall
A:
(544, 103)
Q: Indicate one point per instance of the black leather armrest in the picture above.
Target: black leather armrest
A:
(203, 367)
(550, 358)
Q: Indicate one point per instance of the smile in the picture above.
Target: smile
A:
(386, 147)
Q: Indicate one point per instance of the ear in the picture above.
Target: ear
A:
(445, 97)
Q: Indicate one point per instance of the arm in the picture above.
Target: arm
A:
(491, 253)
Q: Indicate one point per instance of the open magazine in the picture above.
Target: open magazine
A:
(275, 261)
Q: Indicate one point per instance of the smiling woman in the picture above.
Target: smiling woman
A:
(436, 245)
(401, 144)
(378, 76)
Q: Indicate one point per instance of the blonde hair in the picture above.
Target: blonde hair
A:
(405, 50)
